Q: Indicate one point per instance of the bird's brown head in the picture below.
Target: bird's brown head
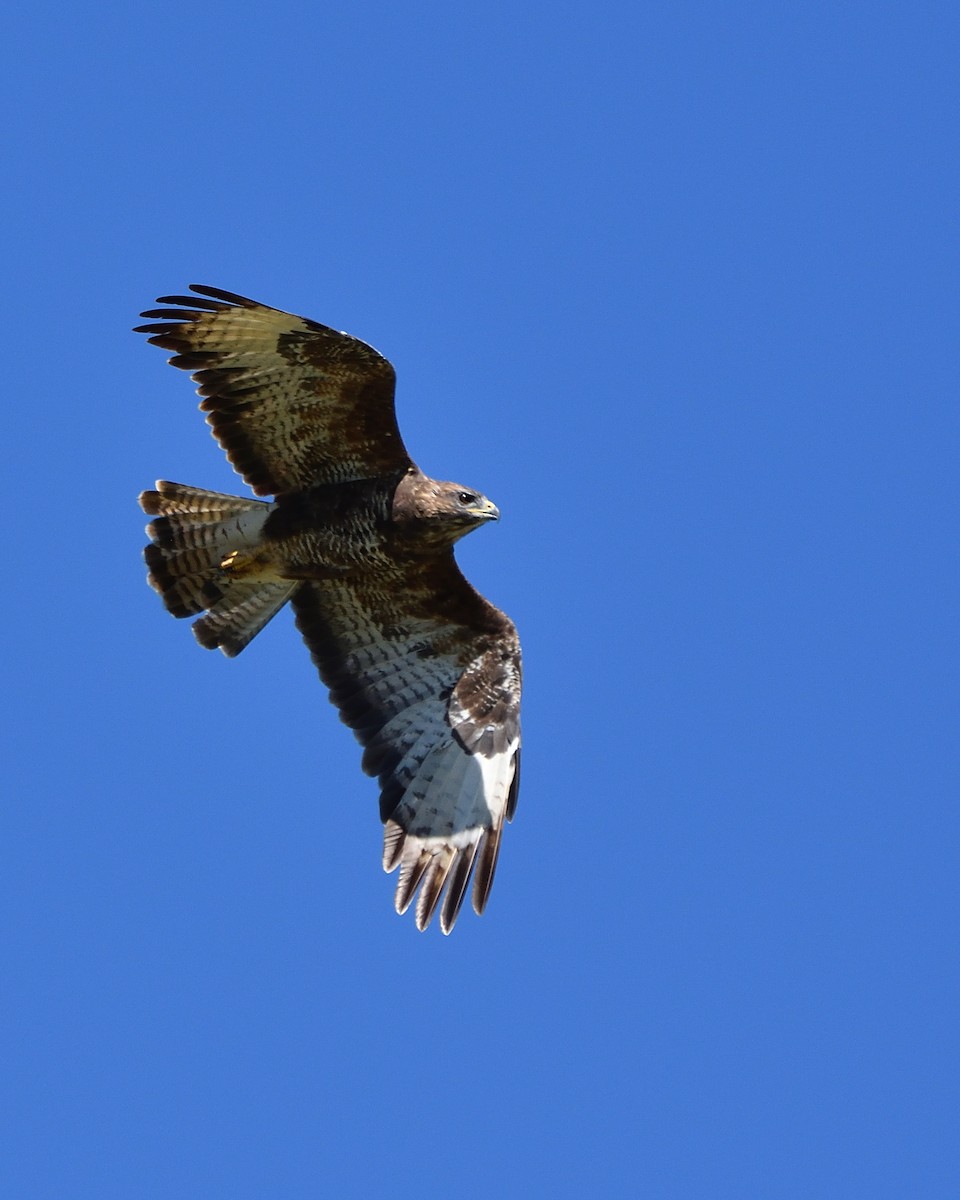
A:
(437, 512)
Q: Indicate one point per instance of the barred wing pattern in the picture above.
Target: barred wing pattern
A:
(292, 402)
(441, 733)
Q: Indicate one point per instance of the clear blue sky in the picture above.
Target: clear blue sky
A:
(676, 284)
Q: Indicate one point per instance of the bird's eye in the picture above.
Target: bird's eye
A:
(466, 497)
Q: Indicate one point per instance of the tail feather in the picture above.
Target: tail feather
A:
(235, 620)
(193, 533)
(177, 498)
(182, 595)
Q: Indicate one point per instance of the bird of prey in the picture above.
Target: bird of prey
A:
(360, 542)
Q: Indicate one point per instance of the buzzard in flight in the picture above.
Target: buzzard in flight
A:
(360, 542)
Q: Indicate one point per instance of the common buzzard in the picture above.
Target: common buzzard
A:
(360, 542)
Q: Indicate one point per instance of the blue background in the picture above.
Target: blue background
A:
(676, 284)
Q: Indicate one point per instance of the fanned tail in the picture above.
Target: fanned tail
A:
(193, 536)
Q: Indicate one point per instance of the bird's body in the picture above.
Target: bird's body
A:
(360, 542)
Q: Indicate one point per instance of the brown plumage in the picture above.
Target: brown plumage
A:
(423, 668)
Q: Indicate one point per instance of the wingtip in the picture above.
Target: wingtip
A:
(457, 887)
(393, 838)
(487, 856)
(203, 289)
(437, 875)
(433, 883)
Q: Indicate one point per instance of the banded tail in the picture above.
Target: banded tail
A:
(195, 537)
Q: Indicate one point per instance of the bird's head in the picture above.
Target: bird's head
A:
(440, 512)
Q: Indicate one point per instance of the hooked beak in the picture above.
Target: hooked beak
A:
(487, 511)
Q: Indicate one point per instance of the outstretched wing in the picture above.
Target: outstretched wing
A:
(292, 402)
(427, 673)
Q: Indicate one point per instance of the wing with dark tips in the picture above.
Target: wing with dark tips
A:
(427, 673)
(292, 402)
